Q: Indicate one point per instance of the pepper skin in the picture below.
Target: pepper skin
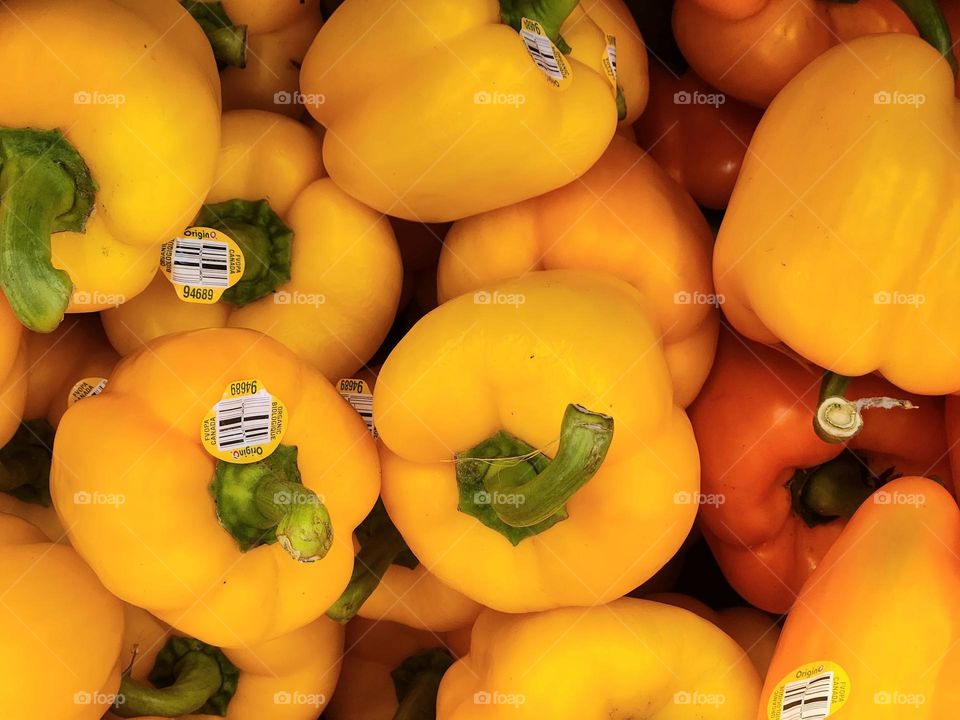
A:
(882, 606)
(668, 260)
(278, 35)
(13, 372)
(130, 482)
(128, 136)
(815, 251)
(754, 428)
(502, 132)
(61, 630)
(492, 376)
(366, 690)
(754, 630)
(752, 58)
(76, 350)
(335, 318)
(288, 678)
(695, 133)
(631, 658)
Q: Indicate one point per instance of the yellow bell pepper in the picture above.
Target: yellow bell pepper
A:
(103, 155)
(474, 124)
(472, 404)
(839, 237)
(77, 350)
(631, 658)
(334, 318)
(141, 495)
(644, 229)
(278, 35)
(168, 675)
(61, 630)
(383, 663)
(13, 372)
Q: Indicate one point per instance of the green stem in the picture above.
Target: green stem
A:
(932, 26)
(265, 502)
(549, 13)
(188, 676)
(229, 41)
(417, 681)
(381, 546)
(264, 239)
(25, 463)
(834, 489)
(45, 188)
(512, 488)
(833, 385)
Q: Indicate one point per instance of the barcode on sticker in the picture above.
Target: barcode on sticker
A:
(244, 421)
(807, 699)
(200, 263)
(357, 393)
(612, 54)
(542, 52)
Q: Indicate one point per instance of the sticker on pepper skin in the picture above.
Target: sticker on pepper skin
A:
(247, 424)
(544, 53)
(358, 394)
(812, 692)
(88, 387)
(609, 61)
(202, 264)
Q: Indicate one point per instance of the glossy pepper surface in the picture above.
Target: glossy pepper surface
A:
(886, 629)
(13, 372)
(476, 399)
(141, 496)
(839, 238)
(775, 496)
(503, 131)
(630, 658)
(645, 230)
(112, 161)
(322, 272)
(61, 630)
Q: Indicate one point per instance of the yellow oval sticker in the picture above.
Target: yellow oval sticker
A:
(202, 264)
(246, 425)
(88, 387)
(814, 690)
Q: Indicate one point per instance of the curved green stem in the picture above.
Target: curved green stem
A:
(266, 242)
(45, 187)
(25, 463)
(381, 546)
(549, 13)
(229, 41)
(932, 26)
(834, 489)
(265, 502)
(833, 385)
(514, 489)
(417, 681)
(188, 676)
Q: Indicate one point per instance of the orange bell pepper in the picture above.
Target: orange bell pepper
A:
(774, 496)
(751, 57)
(874, 633)
(13, 371)
(697, 134)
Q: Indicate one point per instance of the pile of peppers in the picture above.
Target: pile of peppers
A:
(479, 360)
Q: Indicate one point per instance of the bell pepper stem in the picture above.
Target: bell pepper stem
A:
(229, 41)
(549, 13)
(265, 502)
(833, 385)
(377, 552)
(417, 682)
(932, 26)
(838, 419)
(45, 187)
(834, 489)
(25, 463)
(198, 678)
(264, 239)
